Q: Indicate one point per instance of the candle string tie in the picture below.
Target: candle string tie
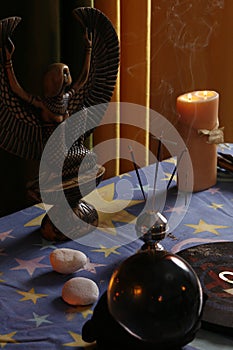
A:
(216, 135)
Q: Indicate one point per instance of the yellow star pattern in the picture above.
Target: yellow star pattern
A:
(72, 311)
(86, 313)
(7, 338)
(36, 221)
(110, 210)
(168, 176)
(171, 160)
(43, 206)
(107, 251)
(229, 291)
(123, 175)
(215, 206)
(31, 295)
(1, 273)
(205, 227)
(77, 341)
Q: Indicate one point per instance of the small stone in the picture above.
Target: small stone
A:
(66, 260)
(80, 291)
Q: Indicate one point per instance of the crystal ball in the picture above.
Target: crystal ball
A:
(156, 296)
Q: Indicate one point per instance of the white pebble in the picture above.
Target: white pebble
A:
(80, 291)
(66, 260)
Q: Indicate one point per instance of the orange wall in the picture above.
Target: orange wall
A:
(192, 48)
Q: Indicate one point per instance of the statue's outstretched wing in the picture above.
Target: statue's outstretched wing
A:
(104, 65)
(7, 27)
(21, 132)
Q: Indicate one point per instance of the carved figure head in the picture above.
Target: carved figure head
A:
(56, 79)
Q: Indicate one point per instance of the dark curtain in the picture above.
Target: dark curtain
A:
(46, 34)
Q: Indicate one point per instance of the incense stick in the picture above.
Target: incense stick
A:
(176, 167)
(156, 172)
(136, 170)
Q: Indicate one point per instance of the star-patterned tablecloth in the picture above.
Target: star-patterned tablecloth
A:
(32, 312)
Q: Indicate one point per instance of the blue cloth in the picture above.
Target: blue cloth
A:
(32, 312)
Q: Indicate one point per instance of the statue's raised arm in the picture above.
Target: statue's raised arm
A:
(9, 49)
(83, 76)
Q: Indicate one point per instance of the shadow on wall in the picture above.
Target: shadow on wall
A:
(14, 175)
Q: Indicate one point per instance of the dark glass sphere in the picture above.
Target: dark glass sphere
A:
(156, 296)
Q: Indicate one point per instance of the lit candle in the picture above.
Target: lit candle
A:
(197, 111)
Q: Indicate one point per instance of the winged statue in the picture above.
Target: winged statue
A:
(27, 121)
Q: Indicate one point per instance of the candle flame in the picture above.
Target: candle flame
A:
(137, 290)
(190, 97)
(160, 298)
(205, 94)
